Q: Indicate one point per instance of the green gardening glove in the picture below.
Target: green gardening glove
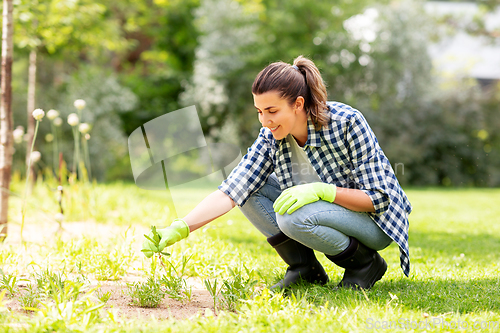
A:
(295, 197)
(175, 232)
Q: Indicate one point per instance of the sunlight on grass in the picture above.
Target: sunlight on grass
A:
(454, 248)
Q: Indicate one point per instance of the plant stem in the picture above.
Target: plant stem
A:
(77, 151)
(74, 151)
(161, 262)
(80, 172)
(87, 157)
(55, 147)
(76, 155)
(27, 177)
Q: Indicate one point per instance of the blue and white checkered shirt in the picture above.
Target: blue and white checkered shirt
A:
(345, 153)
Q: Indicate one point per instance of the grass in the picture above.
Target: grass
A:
(454, 281)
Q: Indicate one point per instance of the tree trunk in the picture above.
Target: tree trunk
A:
(6, 121)
(31, 121)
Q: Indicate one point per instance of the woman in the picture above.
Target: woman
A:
(315, 179)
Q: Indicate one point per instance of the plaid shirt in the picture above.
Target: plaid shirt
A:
(345, 153)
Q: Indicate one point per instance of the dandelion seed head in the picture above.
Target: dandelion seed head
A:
(73, 119)
(79, 104)
(84, 128)
(38, 114)
(58, 121)
(52, 114)
(35, 156)
(18, 134)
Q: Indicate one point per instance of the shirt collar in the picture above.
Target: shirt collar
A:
(313, 137)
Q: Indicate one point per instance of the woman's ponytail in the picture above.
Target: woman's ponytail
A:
(316, 106)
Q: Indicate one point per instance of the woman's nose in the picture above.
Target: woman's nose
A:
(265, 120)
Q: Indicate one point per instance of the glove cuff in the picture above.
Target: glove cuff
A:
(329, 192)
(181, 226)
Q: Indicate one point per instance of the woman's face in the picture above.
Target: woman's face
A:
(280, 117)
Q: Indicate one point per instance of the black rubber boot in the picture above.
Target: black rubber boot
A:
(301, 260)
(363, 266)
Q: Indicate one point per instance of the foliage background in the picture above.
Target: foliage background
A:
(135, 60)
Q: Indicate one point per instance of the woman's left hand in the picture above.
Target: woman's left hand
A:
(300, 195)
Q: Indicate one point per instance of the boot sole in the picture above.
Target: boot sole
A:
(322, 280)
(381, 269)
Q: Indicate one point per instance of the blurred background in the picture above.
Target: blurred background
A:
(425, 74)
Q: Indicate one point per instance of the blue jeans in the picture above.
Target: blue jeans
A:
(322, 226)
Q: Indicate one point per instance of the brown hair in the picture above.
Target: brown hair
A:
(291, 81)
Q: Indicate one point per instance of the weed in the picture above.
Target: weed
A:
(232, 290)
(48, 282)
(68, 292)
(148, 294)
(237, 288)
(9, 282)
(4, 311)
(103, 297)
(5, 257)
(67, 313)
(30, 299)
(111, 265)
(212, 289)
(57, 286)
(156, 242)
(173, 281)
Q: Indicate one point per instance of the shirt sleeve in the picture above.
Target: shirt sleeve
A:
(251, 173)
(367, 162)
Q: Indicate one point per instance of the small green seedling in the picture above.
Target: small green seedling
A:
(156, 242)
(30, 299)
(231, 291)
(237, 288)
(103, 296)
(175, 284)
(148, 294)
(9, 282)
(156, 239)
(49, 282)
(212, 289)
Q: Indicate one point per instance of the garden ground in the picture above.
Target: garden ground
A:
(454, 281)
(201, 302)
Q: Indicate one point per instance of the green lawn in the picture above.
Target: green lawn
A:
(454, 280)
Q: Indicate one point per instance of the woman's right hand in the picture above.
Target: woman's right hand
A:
(177, 231)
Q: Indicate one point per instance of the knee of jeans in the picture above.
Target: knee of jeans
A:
(289, 225)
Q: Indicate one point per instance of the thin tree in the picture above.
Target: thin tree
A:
(6, 121)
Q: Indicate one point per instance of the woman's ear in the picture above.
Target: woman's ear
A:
(299, 103)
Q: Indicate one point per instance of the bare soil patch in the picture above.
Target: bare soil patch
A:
(120, 302)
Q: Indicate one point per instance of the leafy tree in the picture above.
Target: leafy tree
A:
(241, 38)
(65, 28)
(372, 56)
(161, 60)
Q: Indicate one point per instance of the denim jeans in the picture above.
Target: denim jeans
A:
(322, 226)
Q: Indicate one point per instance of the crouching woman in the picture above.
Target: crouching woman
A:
(314, 179)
